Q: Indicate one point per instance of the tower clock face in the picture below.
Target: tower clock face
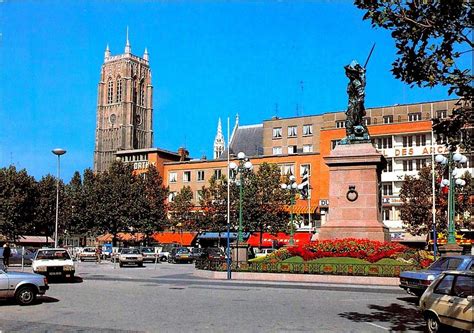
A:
(113, 118)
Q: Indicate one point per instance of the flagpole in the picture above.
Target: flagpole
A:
(309, 201)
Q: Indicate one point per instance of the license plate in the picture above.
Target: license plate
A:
(55, 273)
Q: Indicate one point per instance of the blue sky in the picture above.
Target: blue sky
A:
(208, 59)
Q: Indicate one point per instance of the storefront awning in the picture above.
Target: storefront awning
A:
(280, 239)
(222, 235)
(184, 238)
(301, 209)
(121, 236)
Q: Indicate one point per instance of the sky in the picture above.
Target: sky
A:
(209, 59)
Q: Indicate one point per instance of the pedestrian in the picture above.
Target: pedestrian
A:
(98, 253)
(6, 255)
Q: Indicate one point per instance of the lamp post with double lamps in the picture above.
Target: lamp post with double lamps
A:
(239, 169)
(452, 162)
(293, 188)
(58, 152)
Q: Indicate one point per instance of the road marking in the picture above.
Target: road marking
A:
(387, 329)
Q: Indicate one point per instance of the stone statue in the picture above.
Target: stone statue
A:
(356, 130)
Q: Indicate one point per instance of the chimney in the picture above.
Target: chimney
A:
(183, 153)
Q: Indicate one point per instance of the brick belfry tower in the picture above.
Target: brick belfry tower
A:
(124, 106)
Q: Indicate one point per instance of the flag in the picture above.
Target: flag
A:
(304, 186)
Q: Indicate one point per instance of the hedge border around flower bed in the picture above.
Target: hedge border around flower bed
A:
(379, 270)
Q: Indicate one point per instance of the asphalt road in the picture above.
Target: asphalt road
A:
(168, 298)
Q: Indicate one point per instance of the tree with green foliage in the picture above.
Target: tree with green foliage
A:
(264, 201)
(182, 213)
(17, 197)
(435, 45)
(213, 204)
(116, 209)
(152, 195)
(417, 202)
(45, 206)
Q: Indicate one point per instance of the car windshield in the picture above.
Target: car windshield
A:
(183, 250)
(130, 251)
(197, 250)
(444, 264)
(52, 254)
(148, 249)
(88, 250)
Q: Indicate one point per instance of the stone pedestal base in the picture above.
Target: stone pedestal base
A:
(240, 253)
(450, 250)
(354, 195)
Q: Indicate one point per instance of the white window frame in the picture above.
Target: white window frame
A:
(277, 150)
(292, 131)
(414, 116)
(277, 132)
(388, 119)
(217, 173)
(340, 124)
(307, 148)
(286, 169)
(186, 176)
(307, 129)
(200, 175)
(303, 167)
(292, 149)
(171, 196)
(173, 177)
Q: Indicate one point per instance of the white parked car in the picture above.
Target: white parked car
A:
(54, 263)
(130, 257)
(264, 252)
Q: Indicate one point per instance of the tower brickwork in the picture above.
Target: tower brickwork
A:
(124, 106)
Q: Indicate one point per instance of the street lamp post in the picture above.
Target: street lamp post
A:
(58, 152)
(244, 165)
(292, 187)
(452, 161)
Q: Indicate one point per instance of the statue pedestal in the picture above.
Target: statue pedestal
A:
(354, 195)
(240, 252)
(449, 250)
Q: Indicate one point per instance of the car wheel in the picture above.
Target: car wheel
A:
(120, 264)
(140, 264)
(25, 295)
(432, 323)
(82, 260)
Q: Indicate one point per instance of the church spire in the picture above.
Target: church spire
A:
(145, 54)
(107, 52)
(219, 141)
(128, 48)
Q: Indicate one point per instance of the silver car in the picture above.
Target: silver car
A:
(130, 257)
(24, 287)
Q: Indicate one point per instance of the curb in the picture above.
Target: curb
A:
(282, 277)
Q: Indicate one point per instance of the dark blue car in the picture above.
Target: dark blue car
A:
(416, 282)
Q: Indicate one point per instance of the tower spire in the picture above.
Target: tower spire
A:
(145, 54)
(107, 52)
(219, 141)
(128, 48)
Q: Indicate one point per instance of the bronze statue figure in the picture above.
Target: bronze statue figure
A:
(356, 130)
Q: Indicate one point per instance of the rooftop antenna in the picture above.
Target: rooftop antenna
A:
(276, 109)
(297, 110)
(302, 96)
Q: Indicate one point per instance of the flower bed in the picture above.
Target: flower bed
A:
(337, 257)
(371, 251)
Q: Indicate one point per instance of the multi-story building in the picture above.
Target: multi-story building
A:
(402, 133)
(124, 106)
